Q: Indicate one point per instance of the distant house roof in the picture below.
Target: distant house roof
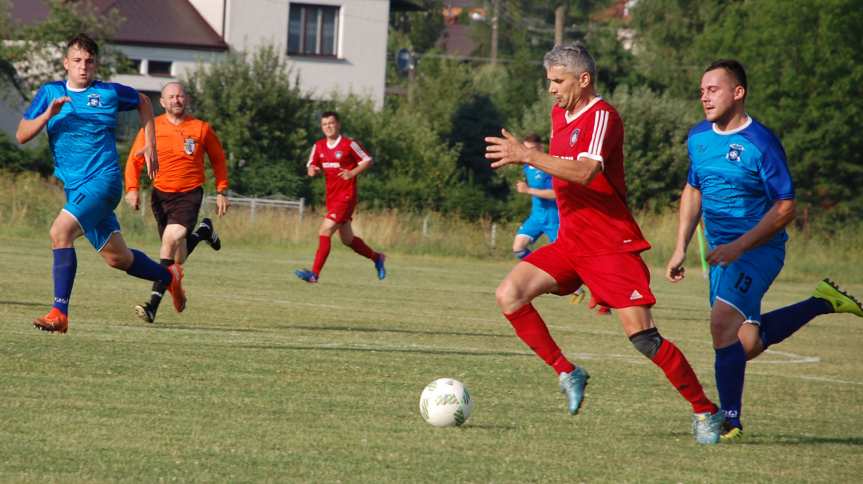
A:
(158, 23)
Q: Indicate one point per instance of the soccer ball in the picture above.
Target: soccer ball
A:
(445, 402)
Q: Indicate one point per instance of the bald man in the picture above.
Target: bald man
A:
(178, 187)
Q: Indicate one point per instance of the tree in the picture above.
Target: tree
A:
(253, 101)
(31, 55)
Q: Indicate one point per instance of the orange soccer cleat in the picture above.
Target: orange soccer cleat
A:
(54, 322)
(176, 287)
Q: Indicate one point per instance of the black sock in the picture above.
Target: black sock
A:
(159, 288)
(192, 241)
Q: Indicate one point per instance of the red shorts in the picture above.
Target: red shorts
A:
(615, 280)
(341, 212)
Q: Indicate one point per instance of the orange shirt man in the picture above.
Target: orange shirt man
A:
(177, 189)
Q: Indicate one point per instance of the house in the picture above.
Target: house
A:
(335, 46)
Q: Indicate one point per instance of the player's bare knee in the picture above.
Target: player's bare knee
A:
(647, 342)
(508, 297)
(117, 261)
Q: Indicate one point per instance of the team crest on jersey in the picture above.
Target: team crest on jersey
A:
(573, 138)
(338, 155)
(94, 100)
(734, 152)
(189, 146)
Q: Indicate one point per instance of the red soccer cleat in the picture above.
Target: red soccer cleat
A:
(176, 287)
(54, 322)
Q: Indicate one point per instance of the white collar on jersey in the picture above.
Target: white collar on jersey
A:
(735, 130)
(335, 143)
(572, 117)
(70, 88)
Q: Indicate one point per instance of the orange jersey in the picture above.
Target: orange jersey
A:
(181, 156)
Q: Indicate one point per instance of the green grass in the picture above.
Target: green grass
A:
(265, 378)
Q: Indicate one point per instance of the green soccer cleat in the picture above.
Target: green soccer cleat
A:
(841, 301)
(572, 385)
(730, 433)
(707, 427)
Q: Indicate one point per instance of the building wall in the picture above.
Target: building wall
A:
(360, 66)
(182, 60)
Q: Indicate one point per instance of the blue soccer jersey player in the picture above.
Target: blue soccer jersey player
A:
(740, 184)
(543, 218)
(80, 115)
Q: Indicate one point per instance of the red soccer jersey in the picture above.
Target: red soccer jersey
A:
(344, 154)
(594, 219)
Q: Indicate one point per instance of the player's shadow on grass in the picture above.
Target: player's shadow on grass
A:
(23, 303)
(361, 329)
(225, 329)
(774, 439)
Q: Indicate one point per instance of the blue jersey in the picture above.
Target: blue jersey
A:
(81, 135)
(540, 180)
(740, 174)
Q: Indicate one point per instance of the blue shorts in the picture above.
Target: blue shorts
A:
(92, 204)
(743, 283)
(539, 223)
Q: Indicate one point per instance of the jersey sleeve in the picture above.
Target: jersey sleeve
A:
(692, 175)
(217, 158)
(602, 136)
(774, 172)
(359, 153)
(39, 104)
(313, 160)
(127, 97)
(134, 163)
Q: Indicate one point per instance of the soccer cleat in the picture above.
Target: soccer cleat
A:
(145, 312)
(379, 266)
(572, 385)
(307, 275)
(841, 301)
(54, 322)
(178, 295)
(730, 433)
(205, 228)
(707, 427)
(577, 296)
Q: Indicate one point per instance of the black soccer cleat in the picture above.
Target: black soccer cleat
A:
(145, 312)
(208, 234)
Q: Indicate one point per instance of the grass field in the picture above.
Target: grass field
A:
(265, 378)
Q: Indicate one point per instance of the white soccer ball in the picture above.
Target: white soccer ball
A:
(445, 402)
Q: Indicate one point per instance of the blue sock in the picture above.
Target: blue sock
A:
(521, 254)
(146, 268)
(65, 266)
(783, 322)
(730, 369)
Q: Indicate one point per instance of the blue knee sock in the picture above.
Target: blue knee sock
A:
(730, 370)
(783, 322)
(521, 254)
(146, 268)
(65, 266)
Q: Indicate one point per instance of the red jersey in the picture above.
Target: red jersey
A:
(333, 158)
(594, 218)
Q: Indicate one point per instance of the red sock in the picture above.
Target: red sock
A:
(530, 327)
(322, 254)
(362, 249)
(680, 374)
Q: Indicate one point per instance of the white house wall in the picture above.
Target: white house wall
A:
(360, 66)
(182, 60)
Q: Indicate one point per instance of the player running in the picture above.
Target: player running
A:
(80, 114)
(182, 141)
(599, 242)
(739, 181)
(341, 159)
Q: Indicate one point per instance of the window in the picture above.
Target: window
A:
(159, 68)
(312, 30)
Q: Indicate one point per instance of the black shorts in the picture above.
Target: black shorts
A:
(179, 208)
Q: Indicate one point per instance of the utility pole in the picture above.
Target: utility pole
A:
(559, 20)
(494, 20)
